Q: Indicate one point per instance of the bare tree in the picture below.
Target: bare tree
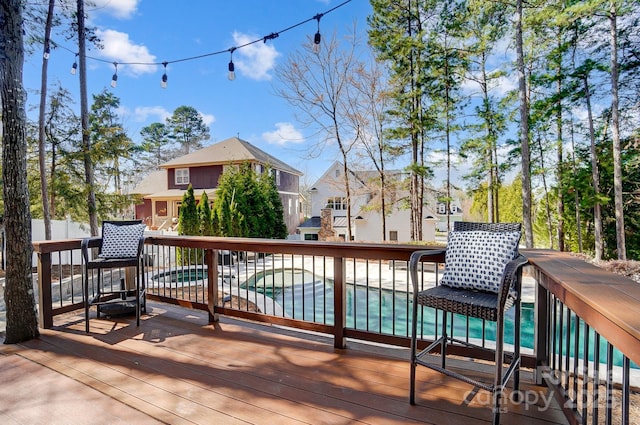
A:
(22, 320)
(368, 103)
(46, 210)
(524, 130)
(84, 118)
(317, 85)
(615, 134)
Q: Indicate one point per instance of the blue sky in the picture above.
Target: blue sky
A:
(154, 31)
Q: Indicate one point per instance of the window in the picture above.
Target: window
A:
(337, 203)
(276, 176)
(393, 235)
(259, 169)
(161, 208)
(182, 176)
(227, 167)
(310, 236)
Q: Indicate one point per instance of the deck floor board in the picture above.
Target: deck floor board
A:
(176, 368)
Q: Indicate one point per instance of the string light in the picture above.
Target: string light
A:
(47, 51)
(74, 67)
(114, 79)
(271, 36)
(231, 67)
(232, 74)
(163, 82)
(317, 38)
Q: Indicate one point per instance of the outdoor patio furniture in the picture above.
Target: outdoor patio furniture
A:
(482, 279)
(119, 248)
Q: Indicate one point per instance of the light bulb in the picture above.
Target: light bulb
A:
(163, 81)
(74, 68)
(232, 74)
(47, 53)
(316, 42)
(114, 80)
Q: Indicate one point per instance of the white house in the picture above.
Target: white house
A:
(329, 210)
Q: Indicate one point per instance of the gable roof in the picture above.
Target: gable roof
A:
(232, 150)
(153, 182)
(329, 176)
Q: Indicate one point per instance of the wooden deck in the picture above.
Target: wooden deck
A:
(175, 368)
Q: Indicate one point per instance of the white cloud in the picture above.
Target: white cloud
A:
(142, 113)
(208, 119)
(122, 9)
(145, 113)
(503, 85)
(118, 48)
(285, 133)
(500, 86)
(255, 60)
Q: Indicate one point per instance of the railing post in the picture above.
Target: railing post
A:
(339, 304)
(542, 323)
(211, 258)
(45, 309)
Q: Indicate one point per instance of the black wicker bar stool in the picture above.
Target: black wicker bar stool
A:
(482, 279)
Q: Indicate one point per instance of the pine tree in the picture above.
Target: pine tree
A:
(204, 215)
(22, 317)
(188, 224)
(248, 205)
(277, 228)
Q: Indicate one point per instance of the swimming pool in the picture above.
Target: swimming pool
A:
(305, 296)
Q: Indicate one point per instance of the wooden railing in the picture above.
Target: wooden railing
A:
(362, 291)
(587, 338)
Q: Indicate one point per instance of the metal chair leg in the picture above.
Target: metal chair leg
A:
(443, 346)
(414, 348)
(85, 293)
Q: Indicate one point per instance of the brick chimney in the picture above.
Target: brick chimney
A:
(326, 225)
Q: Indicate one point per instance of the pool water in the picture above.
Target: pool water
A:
(306, 296)
(187, 275)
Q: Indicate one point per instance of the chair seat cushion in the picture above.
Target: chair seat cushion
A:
(121, 241)
(477, 259)
(482, 305)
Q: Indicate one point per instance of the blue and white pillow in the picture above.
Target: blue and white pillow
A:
(121, 241)
(477, 259)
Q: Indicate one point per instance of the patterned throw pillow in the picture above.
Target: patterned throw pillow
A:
(120, 241)
(476, 259)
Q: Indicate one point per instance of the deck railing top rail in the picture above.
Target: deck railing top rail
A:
(608, 302)
(373, 251)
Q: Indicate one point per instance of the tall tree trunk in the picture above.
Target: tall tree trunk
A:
(524, 132)
(595, 175)
(46, 211)
(576, 195)
(347, 187)
(496, 184)
(22, 321)
(84, 118)
(615, 136)
(560, 167)
(491, 152)
(546, 194)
